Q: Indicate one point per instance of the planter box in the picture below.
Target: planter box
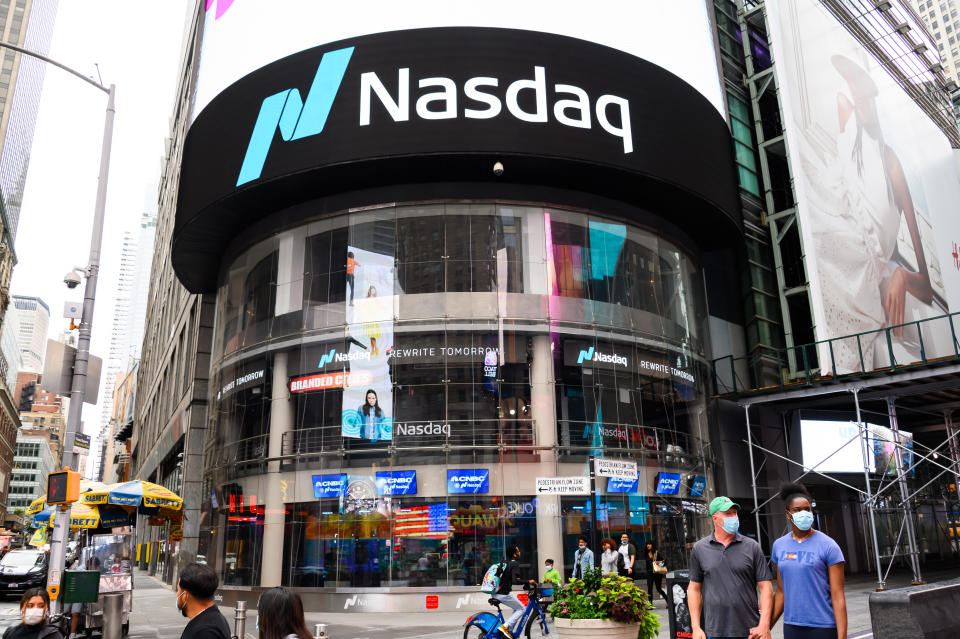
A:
(599, 628)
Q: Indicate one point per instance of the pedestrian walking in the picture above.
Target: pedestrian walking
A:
(629, 552)
(34, 618)
(280, 615)
(195, 589)
(609, 558)
(809, 574)
(509, 577)
(654, 579)
(726, 570)
(582, 558)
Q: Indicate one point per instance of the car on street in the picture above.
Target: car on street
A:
(21, 570)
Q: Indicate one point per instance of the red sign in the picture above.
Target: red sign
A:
(433, 602)
(523, 597)
(324, 381)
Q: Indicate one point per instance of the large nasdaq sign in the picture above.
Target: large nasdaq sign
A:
(668, 483)
(397, 482)
(329, 486)
(468, 480)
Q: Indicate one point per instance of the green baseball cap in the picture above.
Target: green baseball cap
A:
(722, 504)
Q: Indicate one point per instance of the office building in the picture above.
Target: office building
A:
(32, 463)
(33, 317)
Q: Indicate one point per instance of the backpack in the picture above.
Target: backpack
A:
(491, 580)
(621, 564)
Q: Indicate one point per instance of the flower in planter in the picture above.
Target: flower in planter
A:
(612, 597)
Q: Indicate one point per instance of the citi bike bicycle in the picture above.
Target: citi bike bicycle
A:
(486, 625)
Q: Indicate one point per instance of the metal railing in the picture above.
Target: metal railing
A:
(932, 340)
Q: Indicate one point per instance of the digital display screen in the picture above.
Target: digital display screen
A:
(621, 485)
(397, 482)
(329, 485)
(697, 485)
(668, 483)
(468, 480)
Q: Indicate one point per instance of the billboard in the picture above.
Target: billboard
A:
(621, 485)
(329, 485)
(284, 28)
(396, 482)
(837, 447)
(876, 189)
(468, 480)
(668, 483)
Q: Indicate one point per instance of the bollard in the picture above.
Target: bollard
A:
(112, 615)
(321, 631)
(240, 620)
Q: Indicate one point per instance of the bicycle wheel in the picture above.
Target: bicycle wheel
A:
(535, 626)
(476, 632)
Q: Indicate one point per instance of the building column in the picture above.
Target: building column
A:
(281, 422)
(543, 402)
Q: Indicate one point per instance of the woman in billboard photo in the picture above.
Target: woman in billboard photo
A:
(371, 417)
(865, 283)
(372, 329)
(809, 574)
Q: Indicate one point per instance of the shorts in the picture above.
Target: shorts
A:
(73, 609)
(808, 632)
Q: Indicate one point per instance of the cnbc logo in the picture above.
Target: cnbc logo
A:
(480, 98)
(592, 355)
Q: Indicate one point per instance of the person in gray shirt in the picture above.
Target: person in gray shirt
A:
(726, 570)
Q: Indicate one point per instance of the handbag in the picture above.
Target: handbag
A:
(659, 566)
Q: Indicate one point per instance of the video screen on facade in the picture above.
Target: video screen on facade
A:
(831, 446)
(468, 480)
(396, 482)
(697, 485)
(668, 483)
(877, 189)
(329, 485)
(621, 485)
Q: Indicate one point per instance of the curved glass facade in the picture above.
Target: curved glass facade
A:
(388, 384)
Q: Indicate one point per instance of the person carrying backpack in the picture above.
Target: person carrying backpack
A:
(509, 577)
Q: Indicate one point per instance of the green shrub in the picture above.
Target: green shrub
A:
(599, 596)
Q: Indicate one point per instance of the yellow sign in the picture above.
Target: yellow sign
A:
(148, 552)
(138, 552)
(176, 530)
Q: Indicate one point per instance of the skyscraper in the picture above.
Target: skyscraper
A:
(33, 316)
(942, 17)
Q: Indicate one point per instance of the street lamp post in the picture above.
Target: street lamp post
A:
(61, 522)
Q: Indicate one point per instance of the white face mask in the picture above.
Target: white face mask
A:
(33, 616)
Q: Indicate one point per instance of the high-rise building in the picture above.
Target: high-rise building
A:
(33, 319)
(942, 18)
(32, 463)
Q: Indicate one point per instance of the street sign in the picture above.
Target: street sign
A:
(563, 485)
(81, 445)
(622, 468)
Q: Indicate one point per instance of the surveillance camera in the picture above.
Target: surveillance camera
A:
(498, 168)
(72, 279)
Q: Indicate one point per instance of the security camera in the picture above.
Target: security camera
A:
(73, 278)
(498, 168)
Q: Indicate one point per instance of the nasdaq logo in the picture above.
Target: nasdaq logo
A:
(326, 358)
(295, 117)
(585, 356)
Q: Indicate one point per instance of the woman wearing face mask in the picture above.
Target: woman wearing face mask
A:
(34, 609)
(809, 574)
(280, 615)
(609, 557)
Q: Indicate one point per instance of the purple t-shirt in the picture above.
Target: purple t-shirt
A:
(806, 584)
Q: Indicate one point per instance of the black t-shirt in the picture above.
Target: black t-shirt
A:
(209, 624)
(510, 576)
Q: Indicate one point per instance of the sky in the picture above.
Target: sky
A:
(137, 47)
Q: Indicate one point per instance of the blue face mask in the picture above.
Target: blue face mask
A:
(803, 519)
(731, 524)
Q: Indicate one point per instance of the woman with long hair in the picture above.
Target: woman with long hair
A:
(651, 556)
(34, 618)
(609, 557)
(280, 615)
(809, 574)
(371, 416)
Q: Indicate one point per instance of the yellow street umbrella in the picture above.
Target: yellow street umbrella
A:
(150, 498)
(84, 516)
(39, 538)
(40, 503)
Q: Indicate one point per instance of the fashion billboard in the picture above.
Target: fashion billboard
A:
(877, 191)
(282, 28)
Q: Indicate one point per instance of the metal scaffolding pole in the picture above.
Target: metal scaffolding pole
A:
(868, 500)
(913, 550)
(954, 449)
(753, 474)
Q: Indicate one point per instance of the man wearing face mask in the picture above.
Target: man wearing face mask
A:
(195, 591)
(726, 570)
(582, 559)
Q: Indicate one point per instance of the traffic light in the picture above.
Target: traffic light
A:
(63, 487)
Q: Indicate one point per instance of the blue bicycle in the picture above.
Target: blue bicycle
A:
(485, 625)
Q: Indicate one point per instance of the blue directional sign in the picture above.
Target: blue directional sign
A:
(468, 480)
(329, 486)
(397, 482)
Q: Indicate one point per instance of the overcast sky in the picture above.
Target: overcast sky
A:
(137, 47)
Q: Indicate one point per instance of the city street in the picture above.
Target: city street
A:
(155, 615)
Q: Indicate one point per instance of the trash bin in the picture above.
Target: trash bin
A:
(678, 612)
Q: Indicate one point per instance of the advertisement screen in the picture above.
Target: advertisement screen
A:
(295, 25)
(831, 446)
(883, 450)
(468, 480)
(621, 485)
(697, 485)
(877, 192)
(329, 486)
(668, 483)
(397, 482)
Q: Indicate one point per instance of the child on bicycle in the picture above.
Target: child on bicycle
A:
(511, 576)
